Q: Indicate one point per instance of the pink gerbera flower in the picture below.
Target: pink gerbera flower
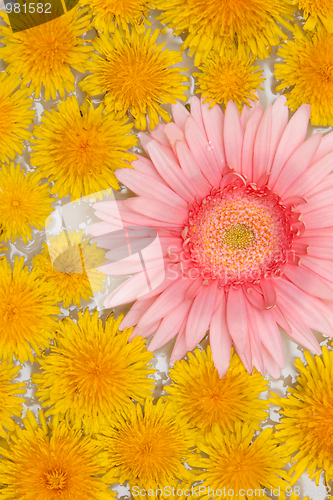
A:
(243, 206)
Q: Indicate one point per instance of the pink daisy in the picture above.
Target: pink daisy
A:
(243, 206)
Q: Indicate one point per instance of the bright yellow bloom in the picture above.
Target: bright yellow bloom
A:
(199, 395)
(26, 309)
(69, 262)
(148, 447)
(307, 425)
(136, 74)
(212, 24)
(10, 403)
(24, 203)
(92, 372)
(316, 13)
(52, 462)
(44, 54)
(80, 147)
(307, 69)
(113, 14)
(230, 77)
(15, 117)
(236, 462)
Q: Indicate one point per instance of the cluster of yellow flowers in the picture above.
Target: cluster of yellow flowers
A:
(103, 420)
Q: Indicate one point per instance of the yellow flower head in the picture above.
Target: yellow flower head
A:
(307, 69)
(52, 462)
(238, 466)
(10, 403)
(80, 147)
(230, 77)
(136, 74)
(316, 13)
(148, 447)
(24, 203)
(44, 54)
(113, 14)
(93, 372)
(69, 262)
(215, 24)
(307, 425)
(26, 309)
(15, 117)
(199, 395)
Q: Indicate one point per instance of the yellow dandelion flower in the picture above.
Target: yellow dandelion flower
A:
(15, 117)
(199, 395)
(307, 73)
(113, 14)
(26, 309)
(69, 262)
(230, 77)
(212, 24)
(93, 372)
(80, 147)
(148, 447)
(25, 203)
(136, 74)
(238, 466)
(316, 13)
(52, 461)
(10, 403)
(307, 425)
(44, 54)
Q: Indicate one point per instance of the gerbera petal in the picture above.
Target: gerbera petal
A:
(297, 164)
(269, 334)
(309, 282)
(145, 186)
(171, 172)
(179, 113)
(326, 147)
(304, 304)
(159, 134)
(311, 178)
(173, 134)
(262, 145)
(292, 137)
(171, 298)
(170, 325)
(322, 217)
(270, 364)
(213, 122)
(269, 293)
(180, 349)
(157, 210)
(237, 321)
(135, 313)
(219, 336)
(192, 169)
(279, 123)
(248, 143)
(247, 111)
(135, 287)
(202, 151)
(197, 114)
(145, 166)
(233, 137)
(145, 331)
(200, 315)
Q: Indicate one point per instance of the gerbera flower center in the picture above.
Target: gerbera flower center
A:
(238, 234)
(56, 479)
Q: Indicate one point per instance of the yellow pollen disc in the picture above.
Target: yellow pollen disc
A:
(239, 236)
(56, 480)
